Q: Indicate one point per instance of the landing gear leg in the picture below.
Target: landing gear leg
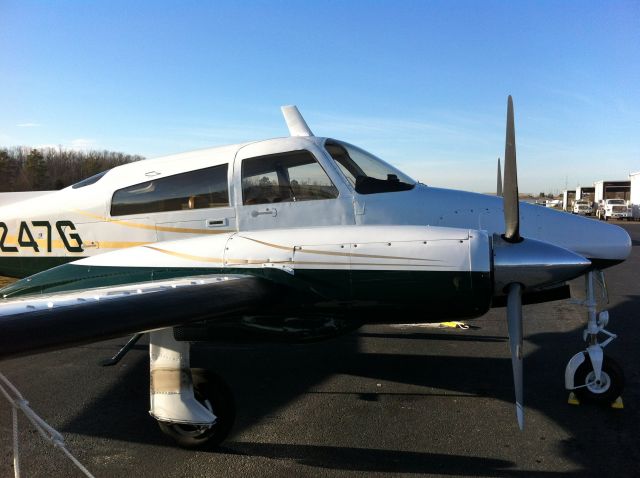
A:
(591, 375)
(122, 352)
(192, 406)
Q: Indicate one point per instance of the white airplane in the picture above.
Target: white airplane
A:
(294, 226)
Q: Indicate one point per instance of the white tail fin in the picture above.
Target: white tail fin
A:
(295, 122)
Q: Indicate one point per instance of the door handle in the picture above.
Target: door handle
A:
(270, 211)
(216, 222)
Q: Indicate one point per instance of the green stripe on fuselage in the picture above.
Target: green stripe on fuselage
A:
(19, 267)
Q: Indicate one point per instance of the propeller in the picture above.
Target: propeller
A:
(499, 186)
(510, 190)
(514, 321)
(512, 235)
(520, 264)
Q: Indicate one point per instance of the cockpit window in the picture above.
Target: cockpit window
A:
(367, 173)
(285, 177)
(91, 180)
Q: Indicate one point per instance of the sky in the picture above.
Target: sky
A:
(421, 84)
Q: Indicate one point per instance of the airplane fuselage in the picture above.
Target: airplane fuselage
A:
(258, 186)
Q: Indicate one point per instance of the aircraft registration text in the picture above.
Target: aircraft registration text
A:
(25, 239)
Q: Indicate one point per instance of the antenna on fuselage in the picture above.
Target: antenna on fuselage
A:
(295, 122)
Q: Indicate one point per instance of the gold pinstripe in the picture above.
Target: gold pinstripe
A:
(182, 255)
(237, 262)
(138, 225)
(364, 264)
(340, 254)
(12, 240)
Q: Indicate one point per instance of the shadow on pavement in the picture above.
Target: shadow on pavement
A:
(374, 460)
(266, 377)
(435, 336)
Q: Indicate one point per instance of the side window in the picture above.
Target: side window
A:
(293, 176)
(202, 188)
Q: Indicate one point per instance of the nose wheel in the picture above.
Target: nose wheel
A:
(591, 375)
(601, 391)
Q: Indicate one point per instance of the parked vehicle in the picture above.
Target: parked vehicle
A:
(614, 208)
(583, 207)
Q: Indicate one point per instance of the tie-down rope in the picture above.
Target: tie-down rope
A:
(46, 431)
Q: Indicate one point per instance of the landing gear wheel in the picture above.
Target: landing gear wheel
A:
(212, 392)
(602, 392)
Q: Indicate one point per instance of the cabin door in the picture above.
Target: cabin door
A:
(288, 183)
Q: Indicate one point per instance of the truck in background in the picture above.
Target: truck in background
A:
(583, 207)
(614, 209)
(611, 198)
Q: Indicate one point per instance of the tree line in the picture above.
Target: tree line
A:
(46, 169)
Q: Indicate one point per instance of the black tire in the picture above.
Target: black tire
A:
(213, 392)
(608, 391)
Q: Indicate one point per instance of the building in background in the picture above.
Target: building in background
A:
(635, 194)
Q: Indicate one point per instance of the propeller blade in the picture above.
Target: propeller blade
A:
(510, 189)
(514, 321)
(499, 186)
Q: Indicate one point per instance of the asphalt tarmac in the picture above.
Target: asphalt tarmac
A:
(380, 401)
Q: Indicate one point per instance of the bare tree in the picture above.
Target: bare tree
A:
(33, 169)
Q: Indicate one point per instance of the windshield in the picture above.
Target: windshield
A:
(616, 201)
(367, 173)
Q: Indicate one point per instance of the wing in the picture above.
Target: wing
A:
(64, 319)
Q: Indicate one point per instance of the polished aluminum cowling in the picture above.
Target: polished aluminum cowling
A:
(533, 264)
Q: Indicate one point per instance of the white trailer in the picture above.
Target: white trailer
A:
(611, 190)
(568, 198)
(585, 193)
(598, 194)
(634, 200)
